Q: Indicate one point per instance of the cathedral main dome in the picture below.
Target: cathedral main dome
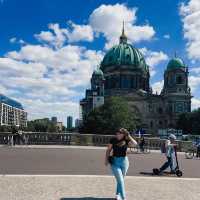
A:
(124, 69)
(124, 54)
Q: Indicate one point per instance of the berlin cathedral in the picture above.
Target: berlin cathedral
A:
(123, 72)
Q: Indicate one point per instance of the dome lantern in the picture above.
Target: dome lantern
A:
(123, 38)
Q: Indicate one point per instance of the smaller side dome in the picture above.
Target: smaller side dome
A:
(175, 63)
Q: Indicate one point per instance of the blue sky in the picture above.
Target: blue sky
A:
(49, 48)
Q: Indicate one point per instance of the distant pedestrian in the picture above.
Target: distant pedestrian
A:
(20, 137)
(116, 155)
(142, 143)
(198, 148)
(14, 135)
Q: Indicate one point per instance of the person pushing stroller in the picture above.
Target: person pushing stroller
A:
(170, 146)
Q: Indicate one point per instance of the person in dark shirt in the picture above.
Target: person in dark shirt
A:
(14, 134)
(142, 143)
(118, 145)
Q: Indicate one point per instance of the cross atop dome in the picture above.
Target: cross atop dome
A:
(123, 38)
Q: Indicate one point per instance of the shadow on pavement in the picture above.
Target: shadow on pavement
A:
(147, 173)
(86, 198)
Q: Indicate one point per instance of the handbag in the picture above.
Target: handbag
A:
(110, 160)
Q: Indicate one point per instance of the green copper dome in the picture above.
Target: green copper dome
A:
(175, 63)
(124, 54)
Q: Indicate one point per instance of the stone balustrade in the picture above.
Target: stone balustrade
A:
(79, 139)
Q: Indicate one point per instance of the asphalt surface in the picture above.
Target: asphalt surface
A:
(76, 161)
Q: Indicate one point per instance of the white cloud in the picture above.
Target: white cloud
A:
(153, 58)
(157, 86)
(44, 76)
(13, 40)
(190, 13)
(42, 109)
(195, 103)
(80, 33)
(195, 70)
(57, 36)
(2, 89)
(107, 20)
(45, 36)
(167, 36)
(194, 83)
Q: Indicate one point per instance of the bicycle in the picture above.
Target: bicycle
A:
(137, 149)
(190, 153)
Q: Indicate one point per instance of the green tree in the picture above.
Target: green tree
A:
(41, 125)
(114, 114)
(190, 122)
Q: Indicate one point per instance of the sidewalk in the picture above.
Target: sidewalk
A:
(68, 187)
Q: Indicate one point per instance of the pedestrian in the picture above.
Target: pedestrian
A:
(170, 151)
(116, 156)
(14, 134)
(142, 143)
(198, 148)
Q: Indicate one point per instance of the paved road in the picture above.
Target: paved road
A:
(76, 161)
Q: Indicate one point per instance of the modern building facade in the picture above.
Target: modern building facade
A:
(124, 72)
(54, 120)
(59, 126)
(12, 112)
(77, 123)
(69, 122)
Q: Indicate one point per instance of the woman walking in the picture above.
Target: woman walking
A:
(118, 145)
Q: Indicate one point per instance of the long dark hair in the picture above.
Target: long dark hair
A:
(125, 132)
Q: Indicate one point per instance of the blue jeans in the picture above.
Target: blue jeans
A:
(168, 163)
(119, 168)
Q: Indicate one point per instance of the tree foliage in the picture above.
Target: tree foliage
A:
(190, 122)
(114, 114)
(42, 125)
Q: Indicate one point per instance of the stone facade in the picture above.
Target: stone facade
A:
(124, 72)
